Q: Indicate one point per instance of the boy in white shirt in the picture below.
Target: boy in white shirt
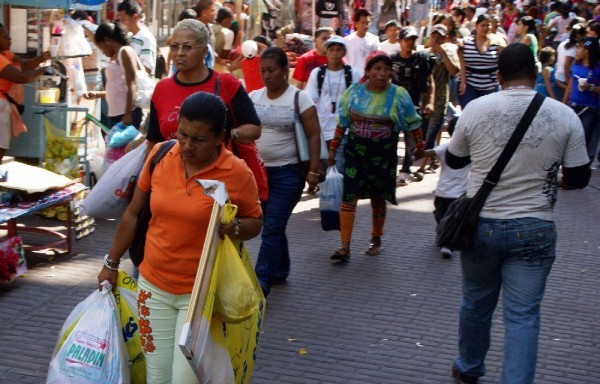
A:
(361, 43)
(452, 184)
(143, 41)
(392, 44)
(326, 85)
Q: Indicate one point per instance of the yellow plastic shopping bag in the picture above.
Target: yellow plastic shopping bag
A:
(240, 338)
(126, 298)
(221, 351)
(236, 298)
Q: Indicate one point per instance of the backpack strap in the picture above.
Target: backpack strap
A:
(321, 78)
(160, 153)
(348, 75)
(323, 70)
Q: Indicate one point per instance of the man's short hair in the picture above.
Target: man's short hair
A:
(202, 6)
(360, 13)
(391, 23)
(516, 62)
(187, 14)
(222, 14)
(322, 30)
(130, 7)
(263, 40)
(459, 11)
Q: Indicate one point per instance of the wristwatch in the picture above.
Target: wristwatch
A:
(236, 227)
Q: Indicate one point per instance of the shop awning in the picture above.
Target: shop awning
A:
(64, 4)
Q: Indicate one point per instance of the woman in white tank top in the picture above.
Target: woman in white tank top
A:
(120, 75)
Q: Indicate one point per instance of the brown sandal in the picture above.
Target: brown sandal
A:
(341, 255)
(375, 247)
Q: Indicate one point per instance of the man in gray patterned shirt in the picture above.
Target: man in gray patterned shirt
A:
(514, 244)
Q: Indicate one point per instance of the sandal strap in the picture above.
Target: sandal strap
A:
(375, 242)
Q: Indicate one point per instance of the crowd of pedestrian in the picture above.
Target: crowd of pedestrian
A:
(468, 69)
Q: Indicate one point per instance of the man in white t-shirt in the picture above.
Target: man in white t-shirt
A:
(392, 44)
(514, 244)
(223, 35)
(327, 84)
(143, 41)
(360, 43)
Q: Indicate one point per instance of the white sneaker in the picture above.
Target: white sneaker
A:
(446, 252)
(403, 179)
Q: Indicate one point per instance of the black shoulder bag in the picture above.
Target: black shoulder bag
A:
(456, 229)
(136, 250)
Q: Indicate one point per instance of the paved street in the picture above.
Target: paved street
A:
(378, 319)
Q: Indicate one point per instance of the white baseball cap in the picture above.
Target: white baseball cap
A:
(335, 39)
(249, 49)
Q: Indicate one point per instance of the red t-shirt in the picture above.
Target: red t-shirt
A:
(251, 70)
(169, 95)
(306, 63)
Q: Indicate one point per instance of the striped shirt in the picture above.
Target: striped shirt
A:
(481, 68)
(144, 44)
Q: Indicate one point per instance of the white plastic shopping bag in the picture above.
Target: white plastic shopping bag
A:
(330, 199)
(110, 197)
(90, 347)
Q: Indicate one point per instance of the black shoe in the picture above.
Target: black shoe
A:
(280, 278)
(463, 379)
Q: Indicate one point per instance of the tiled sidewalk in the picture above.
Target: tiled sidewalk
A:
(385, 319)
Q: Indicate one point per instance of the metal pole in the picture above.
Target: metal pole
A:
(314, 17)
(154, 21)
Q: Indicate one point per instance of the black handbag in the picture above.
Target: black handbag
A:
(136, 249)
(456, 229)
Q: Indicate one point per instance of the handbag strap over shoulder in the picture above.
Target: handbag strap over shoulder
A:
(493, 176)
(160, 153)
(140, 66)
(296, 106)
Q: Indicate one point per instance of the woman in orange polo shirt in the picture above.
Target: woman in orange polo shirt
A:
(14, 71)
(180, 217)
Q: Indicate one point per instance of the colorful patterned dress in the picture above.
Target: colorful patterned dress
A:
(374, 120)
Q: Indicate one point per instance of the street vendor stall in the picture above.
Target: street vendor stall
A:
(25, 190)
(54, 136)
(53, 101)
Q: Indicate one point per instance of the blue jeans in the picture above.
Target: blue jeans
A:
(473, 93)
(590, 119)
(515, 255)
(285, 189)
(435, 123)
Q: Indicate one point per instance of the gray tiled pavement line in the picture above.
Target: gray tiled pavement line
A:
(385, 319)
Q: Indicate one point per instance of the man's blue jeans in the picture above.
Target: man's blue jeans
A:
(515, 255)
(285, 189)
(435, 123)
